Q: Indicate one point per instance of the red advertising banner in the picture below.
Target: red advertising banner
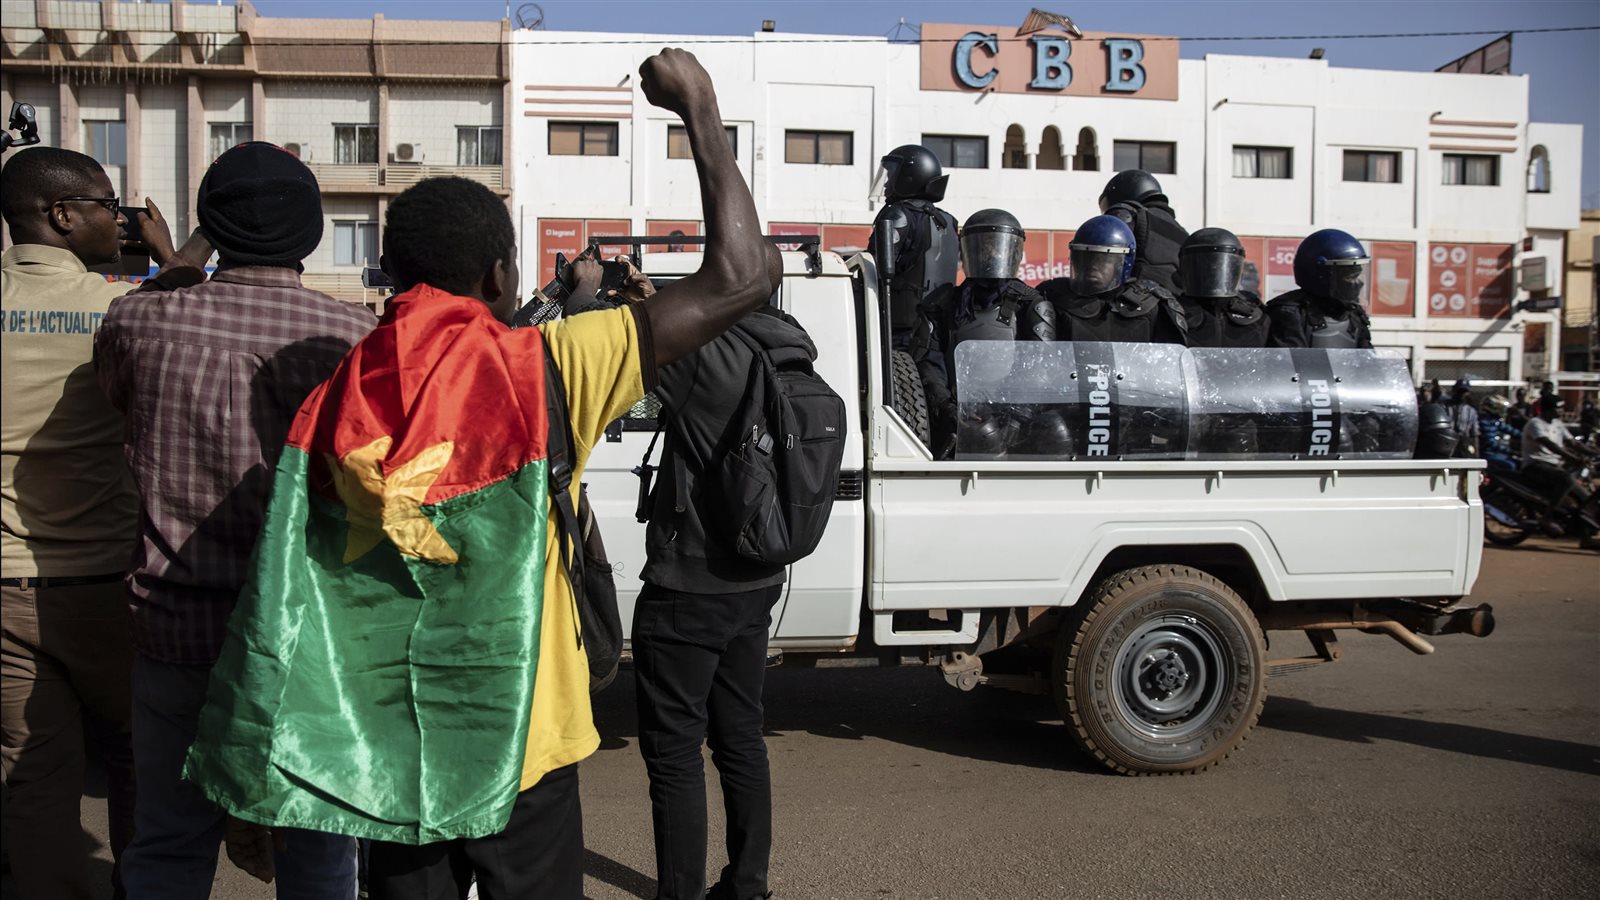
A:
(846, 240)
(1469, 280)
(563, 236)
(1392, 279)
(668, 227)
(794, 228)
(604, 228)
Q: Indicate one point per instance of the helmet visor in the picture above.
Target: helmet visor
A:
(1211, 273)
(1347, 279)
(991, 254)
(1096, 270)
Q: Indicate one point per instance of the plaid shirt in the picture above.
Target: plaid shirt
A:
(210, 378)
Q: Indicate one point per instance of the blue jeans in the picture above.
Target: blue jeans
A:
(177, 831)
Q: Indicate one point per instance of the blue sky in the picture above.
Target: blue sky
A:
(1564, 68)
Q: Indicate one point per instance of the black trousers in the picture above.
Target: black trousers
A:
(699, 664)
(539, 854)
(1553, 481)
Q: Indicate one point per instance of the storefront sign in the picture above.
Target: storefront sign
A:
(1469, 281)
(985, 58)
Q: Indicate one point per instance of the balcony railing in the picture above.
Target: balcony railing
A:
(401, 173)
(344, 287)
(333, 174)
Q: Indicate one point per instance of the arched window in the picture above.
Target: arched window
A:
(1087, 159)
(1539, 170)
(1015, 155)
(1050, 150)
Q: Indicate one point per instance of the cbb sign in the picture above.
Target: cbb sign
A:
(973, 58)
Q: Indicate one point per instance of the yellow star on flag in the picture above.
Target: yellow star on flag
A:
(377, 505)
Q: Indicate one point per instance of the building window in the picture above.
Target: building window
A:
(1461, 168)
(478, 145)
(1156, 157)
(583, 139)
(1050, 156)
(1087, 157)
(107, 142)
(355, 145)
(678, 141)
(1263, 162)
(1372, 165)
(227, 135)
(821, 148)
(1539, 170)
(957, 151)
(355, 243)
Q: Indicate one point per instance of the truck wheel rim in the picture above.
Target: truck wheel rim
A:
(1170, 677)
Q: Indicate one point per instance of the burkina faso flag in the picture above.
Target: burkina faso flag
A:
(378, 673)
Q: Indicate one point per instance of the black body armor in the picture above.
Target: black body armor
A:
(925, 250)
(1239, 321)
(1157, 238)
(1138, 312)
(1299, 319)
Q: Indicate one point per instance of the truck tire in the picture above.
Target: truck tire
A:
(909, 400)
(1163, 673)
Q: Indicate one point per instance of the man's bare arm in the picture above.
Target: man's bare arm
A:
(740, 269)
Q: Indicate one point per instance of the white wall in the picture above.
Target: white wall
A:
(164, 153)
(428, 114)
(305, 112)
(225, 101)
(1558, 209)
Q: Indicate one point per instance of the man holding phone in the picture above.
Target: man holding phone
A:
(70, 515)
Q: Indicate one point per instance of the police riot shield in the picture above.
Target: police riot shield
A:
(1299, 404)
(1070, 401)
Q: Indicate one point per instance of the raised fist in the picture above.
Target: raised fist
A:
(675, 81)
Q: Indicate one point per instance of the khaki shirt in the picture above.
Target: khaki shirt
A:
(67, 503)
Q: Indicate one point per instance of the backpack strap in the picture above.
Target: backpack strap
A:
(560, 454)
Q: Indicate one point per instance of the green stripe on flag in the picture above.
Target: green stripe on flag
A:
(388, 698)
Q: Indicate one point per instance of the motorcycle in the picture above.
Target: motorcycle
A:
(1513, 511)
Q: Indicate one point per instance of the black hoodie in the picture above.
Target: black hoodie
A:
(699, 395)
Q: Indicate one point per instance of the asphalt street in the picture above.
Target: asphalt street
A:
(1471, 773)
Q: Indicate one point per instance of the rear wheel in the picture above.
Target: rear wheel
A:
(1164, 673)
(909, 400)
(1503, 516)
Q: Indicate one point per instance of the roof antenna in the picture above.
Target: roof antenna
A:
(901, 28)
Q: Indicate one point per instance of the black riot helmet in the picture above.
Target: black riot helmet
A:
(991, 244)
(1210, 263)
(1436, 434)
(912, 172)
(1131, 185)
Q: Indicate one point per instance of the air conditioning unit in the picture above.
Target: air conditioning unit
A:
(298, 150)
(408, 153)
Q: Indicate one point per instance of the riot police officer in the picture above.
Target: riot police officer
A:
(1218, 312)
(985, 307)
(1331, 270)
(1101, 300)
(1135, 197)
(919, 261)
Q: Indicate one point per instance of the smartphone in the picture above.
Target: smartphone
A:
(130, 231)
(373, 277)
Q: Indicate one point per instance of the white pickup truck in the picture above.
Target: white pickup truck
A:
(1138, 593)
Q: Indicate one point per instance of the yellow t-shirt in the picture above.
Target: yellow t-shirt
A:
(599, 354)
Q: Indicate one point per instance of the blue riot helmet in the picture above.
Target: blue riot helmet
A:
(992, 244)
(1332, 264)
(1102, 255)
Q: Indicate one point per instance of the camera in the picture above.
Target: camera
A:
(25, 121)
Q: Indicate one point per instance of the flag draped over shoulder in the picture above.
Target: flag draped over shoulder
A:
(379, 668)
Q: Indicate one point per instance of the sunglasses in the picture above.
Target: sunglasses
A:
(110, 203)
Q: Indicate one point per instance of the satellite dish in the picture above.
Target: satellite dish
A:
(530, 16)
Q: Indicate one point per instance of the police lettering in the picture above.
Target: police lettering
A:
(1099, 413)
(1321, 418)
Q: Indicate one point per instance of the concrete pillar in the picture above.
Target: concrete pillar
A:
(132, 173)
(5, 109)
(195, 112)
(383, 128)
(69, 131)
(508, 107)
(258, 110)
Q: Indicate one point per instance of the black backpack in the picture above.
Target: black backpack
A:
(774, 479)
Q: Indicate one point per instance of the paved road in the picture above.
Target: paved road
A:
(1473, 773)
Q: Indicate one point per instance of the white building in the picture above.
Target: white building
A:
(1443, 175)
